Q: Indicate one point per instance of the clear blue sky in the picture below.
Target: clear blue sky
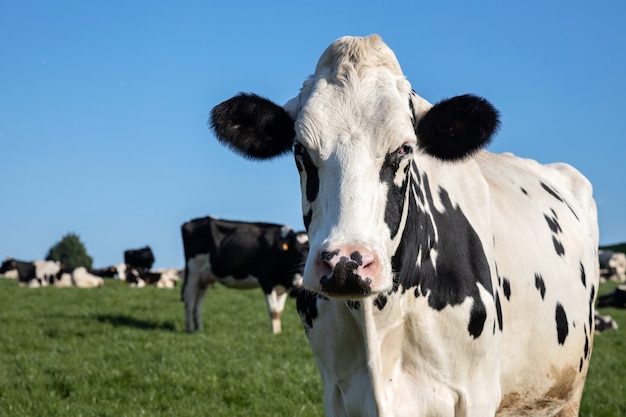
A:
(104, 104)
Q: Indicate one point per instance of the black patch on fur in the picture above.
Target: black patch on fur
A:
(551, 191)
(499, 310)
(304, 163)
(461, 261)
(540, 285)
(524, 191)
(553, 223)
(395, 194)
(253, 126)
(586, 350)
(307, 219)
(592, 297)
(558, 246)
(306, 304)
(562, 328)
(583, 276)
(457, 127)
(556, 195)
(380, 301)
(506, 287)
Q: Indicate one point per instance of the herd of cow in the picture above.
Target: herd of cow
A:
(434, 277)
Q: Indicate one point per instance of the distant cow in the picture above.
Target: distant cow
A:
(24, 270)
(46, 270)
(77, 277)
(442, 279)
(240, 255)
(107, 272)
(160, 278)
(604, 323)
(616, 298)
(142, 259)
(612, 266)
(32, 274)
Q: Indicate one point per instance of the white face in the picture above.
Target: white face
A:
(351, 137)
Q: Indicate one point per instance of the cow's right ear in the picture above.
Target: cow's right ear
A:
(253, 126)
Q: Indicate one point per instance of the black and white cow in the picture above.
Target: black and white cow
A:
(106, 272)
(240, 255)
(442, 279)
(160, 278)
(142, 258)
(24, 270)
(31, 273)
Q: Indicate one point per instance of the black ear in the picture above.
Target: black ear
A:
(457, 127)
(253, 126)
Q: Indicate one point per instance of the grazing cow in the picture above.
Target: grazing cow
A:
(240, 255)
(442, 279)
(142, 259)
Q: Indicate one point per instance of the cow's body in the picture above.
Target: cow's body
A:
(141, 258)
(443, 280)
(240, 255)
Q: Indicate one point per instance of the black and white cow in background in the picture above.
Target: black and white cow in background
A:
(160, 278)
(142, 258)
(240, 255)
(31, 273)
(442, 279)
(612, 266)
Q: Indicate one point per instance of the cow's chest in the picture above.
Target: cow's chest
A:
(407, 357)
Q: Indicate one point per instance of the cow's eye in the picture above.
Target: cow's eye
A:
(298, 150)
(404, 150)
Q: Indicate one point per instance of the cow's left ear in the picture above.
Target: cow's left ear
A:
(457, 127)
(253, 126)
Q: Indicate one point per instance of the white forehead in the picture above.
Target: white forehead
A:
(358, 93)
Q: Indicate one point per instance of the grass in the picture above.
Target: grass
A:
(119, 351)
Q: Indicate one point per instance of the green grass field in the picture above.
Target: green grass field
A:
(119, 351)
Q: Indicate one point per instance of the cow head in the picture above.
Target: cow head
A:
(355, 130)
(294, 249)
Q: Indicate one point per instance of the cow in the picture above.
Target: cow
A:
(612, 266)
(616, 298)
(240, 255)
(106, 272)
(604, 323)
(142, 258)
(160, 278)
(442, 279)
(25, 271)
(46, 270)
(77, 277)
(32, 274)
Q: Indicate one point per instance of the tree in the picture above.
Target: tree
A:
(71, 252)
